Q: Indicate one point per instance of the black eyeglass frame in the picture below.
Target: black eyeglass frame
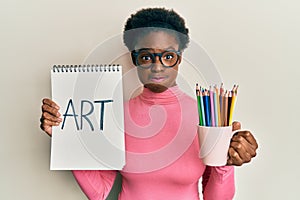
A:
(135, 53)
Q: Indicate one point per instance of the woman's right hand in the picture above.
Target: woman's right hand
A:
(50, 116)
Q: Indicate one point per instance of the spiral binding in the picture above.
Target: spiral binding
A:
(86, 68)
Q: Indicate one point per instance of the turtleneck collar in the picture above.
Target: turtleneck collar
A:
(171, 95)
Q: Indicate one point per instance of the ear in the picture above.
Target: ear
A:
(180, 58)
(133, 59)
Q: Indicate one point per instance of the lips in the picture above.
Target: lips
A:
(157, 79)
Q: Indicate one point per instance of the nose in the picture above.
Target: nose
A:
(157, 66)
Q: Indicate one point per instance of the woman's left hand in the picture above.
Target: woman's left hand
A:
(242, 148)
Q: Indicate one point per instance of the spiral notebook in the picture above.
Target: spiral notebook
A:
(91, 135)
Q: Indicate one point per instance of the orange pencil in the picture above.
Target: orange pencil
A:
(222, 109)
(221, 104)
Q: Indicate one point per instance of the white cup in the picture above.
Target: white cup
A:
(214, 144)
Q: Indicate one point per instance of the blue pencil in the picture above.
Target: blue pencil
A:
(216, 109)
(206, 107)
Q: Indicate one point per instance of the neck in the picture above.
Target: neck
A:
(156, 88)
(169, 96)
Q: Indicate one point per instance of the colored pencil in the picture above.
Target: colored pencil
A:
(212, 106)
(221, 103)
(218, 106)
(199, 105)
(202, 108)
(206, 108)
(229, 106)
(234, 94)
(225, 108)
(222, 108)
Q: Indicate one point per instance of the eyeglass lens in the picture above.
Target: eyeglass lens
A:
(145, 58)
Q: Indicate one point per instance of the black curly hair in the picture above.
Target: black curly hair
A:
(155, 19)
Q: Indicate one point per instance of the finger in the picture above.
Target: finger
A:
(234, 158)
(249, 137)
(51, 110)
(229, 161)
(50, 117)
(47, 122)
(236, 126)
(246, 135)
(47, 129)
(50, 103)
(241, 141)
(242, 151)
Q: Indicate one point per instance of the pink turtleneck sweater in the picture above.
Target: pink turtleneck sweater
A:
(162, 151)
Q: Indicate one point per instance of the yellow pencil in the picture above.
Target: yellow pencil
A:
(232, 106)
(233, 101)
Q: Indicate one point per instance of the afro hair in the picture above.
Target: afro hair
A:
(155, 19)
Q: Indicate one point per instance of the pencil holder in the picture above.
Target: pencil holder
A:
(214, 144)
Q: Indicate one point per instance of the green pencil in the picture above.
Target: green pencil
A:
(199, 105)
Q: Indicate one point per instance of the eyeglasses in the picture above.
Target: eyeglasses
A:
(145, 59)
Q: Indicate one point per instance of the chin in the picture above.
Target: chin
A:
(154, 87)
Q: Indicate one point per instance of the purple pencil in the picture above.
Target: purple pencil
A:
(212, 105)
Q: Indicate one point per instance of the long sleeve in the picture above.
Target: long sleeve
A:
(96, 184)
(205, 177)
(219, 183)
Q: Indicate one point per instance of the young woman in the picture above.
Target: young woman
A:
(162, 148)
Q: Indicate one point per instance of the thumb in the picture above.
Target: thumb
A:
(236, 126)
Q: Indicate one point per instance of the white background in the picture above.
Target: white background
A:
(253, 43)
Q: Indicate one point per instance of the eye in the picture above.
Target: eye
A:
(146, 57)
(168, 57)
